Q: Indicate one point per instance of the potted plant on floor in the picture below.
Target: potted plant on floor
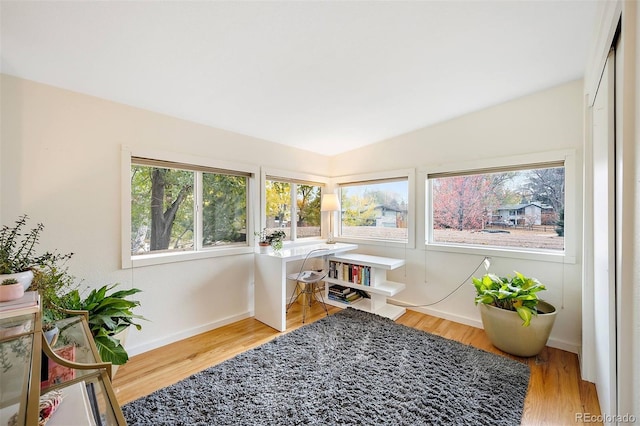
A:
(110, 316)
(513, 317)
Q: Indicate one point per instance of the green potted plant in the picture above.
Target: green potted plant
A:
(10, 289)
(514, 318)
(273, 238)
(18, 255)
(110, 316)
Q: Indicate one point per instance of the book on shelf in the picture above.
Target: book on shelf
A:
(75, 408)
(343, 294)
(344, 300)
(56, 373)
(339, 289)
(29, 299)
(352, 273)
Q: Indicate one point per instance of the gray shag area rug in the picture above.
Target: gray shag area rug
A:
(351, 368)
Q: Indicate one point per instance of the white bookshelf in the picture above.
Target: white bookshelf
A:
(379, 289)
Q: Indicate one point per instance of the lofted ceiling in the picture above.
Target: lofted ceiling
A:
(324, 76)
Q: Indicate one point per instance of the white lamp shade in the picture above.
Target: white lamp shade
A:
(330, 203)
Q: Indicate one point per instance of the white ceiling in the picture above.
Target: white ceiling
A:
(323, 76)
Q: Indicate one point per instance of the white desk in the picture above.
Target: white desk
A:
(271, 279)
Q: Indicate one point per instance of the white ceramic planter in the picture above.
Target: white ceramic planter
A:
(122, 337)
(505, 330)
(23, 278)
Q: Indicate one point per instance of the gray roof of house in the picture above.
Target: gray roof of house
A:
(523, 205)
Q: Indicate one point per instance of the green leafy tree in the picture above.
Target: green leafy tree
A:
(560, 225)
(308, 199)
(169, 188)
(161, 208)
(224, 210)
(358, 211)
(278, 200)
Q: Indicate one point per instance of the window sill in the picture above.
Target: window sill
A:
(513, 253)
(372, 242)
(163, 258)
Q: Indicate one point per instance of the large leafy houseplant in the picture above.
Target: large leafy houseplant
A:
(109, 314)
(517, 293)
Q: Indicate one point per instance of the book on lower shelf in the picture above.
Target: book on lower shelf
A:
(28, 300)
(75, 407)
(344, 294)
(56, 373)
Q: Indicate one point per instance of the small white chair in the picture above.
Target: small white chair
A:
(307, 286)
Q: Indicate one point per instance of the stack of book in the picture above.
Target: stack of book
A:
(27, 304)
(344, 294)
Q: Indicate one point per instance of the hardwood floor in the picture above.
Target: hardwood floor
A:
(555, 395)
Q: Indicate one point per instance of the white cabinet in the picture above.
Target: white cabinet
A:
(368, 276)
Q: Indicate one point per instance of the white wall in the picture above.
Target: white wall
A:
(61, 166)
(546, 121)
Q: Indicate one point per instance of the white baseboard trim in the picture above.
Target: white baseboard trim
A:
(552, 342)
(185, 334)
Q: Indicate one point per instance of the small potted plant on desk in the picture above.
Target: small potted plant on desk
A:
(270, 238)
(513, 317)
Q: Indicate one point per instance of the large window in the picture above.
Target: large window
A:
(375, 209)
(179, 207)
(293, 206)
(519, 207)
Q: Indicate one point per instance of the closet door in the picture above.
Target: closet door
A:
(604, 256)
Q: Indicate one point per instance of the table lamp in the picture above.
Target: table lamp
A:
(330, 203)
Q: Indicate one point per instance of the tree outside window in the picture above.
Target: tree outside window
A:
(375, 210)
(163, 201)
(519, 208)
(293, 207)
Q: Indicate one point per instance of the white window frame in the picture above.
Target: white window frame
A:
(570, 211)
(199, 252)
(410, 175)
(275, 174)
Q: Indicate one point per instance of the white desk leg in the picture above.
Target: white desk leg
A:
(270, 289)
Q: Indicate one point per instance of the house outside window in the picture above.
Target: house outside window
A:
(518, 208)
(376, 209)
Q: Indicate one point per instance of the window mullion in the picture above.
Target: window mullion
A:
(197, 213)
(294, 211)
